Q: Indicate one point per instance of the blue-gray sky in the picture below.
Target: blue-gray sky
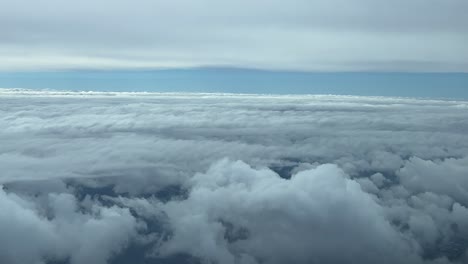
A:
(433, 85)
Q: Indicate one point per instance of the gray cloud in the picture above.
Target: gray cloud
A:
(300, 220)
(299, 35)
(93, 177)
(54, 228)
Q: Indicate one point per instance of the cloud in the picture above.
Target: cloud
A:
(446, 177)
(101, 177)
(300, 35)
(307, 218)
(53, 228)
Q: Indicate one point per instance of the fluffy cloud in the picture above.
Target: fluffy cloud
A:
(236, 214)
(443, 177)
(112, 177)
(55, 228)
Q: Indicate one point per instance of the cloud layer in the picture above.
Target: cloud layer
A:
(356, 35)
(94, 177)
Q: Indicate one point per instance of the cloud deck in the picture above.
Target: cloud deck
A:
(95, 177)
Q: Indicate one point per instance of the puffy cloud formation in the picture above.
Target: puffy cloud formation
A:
(425, 175)
(93, 177)
(235, 214)
(55, 227)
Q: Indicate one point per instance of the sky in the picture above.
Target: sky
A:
(319, 35)
(234, 131)
(332, 36)
(224, 80)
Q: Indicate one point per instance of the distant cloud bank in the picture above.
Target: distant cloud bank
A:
(98, 177)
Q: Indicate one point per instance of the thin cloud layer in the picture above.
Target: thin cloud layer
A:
(95, 177)
(306, 35)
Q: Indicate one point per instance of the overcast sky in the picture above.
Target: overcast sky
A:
(320, 35)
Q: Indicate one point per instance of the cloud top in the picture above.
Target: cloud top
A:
(94, 177)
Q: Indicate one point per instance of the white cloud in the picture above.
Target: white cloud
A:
(446, 177)
(34, 230)
(374, 179)
(309, 217)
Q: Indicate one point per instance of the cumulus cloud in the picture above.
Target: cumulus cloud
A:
(94, 177)
(53, 228)
(236, 214)
(443, 177)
